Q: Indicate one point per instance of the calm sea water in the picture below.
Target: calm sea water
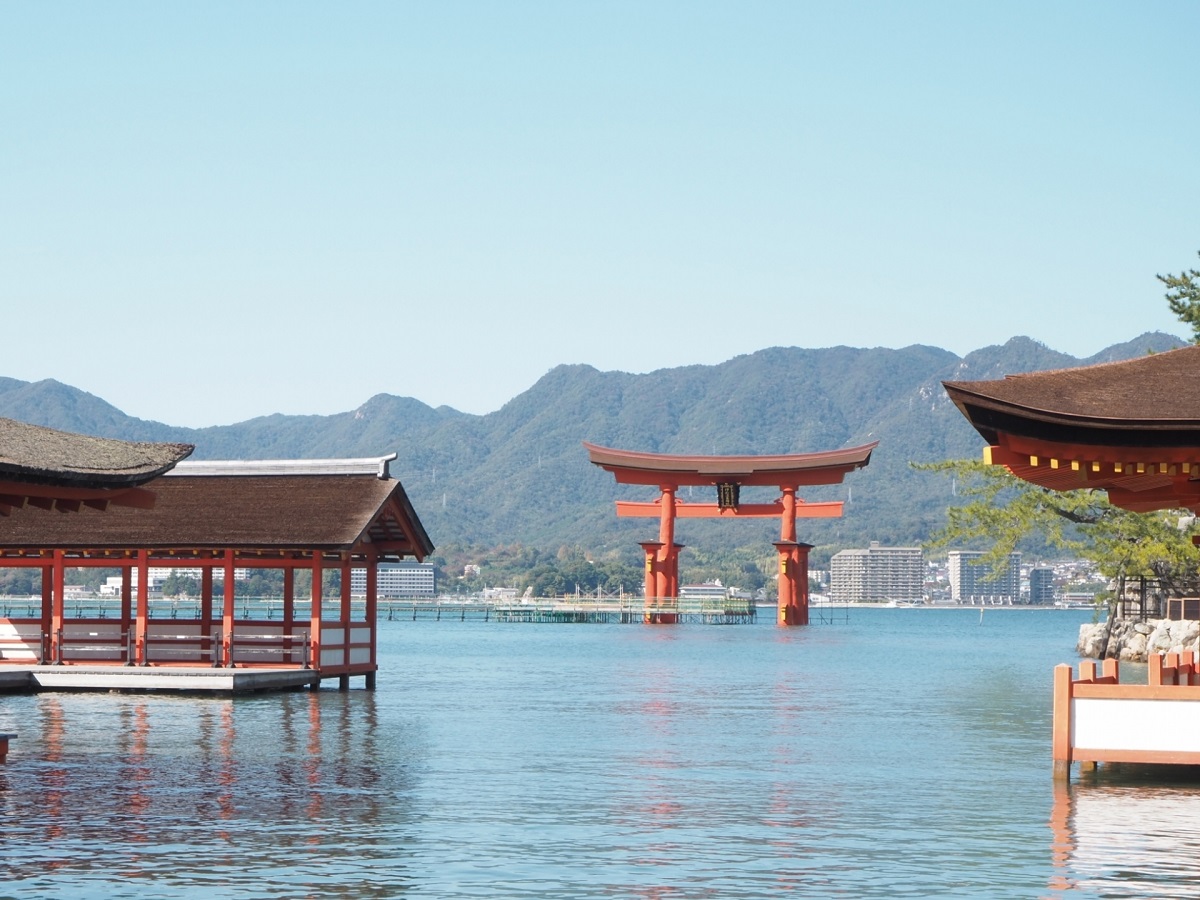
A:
(904, 753)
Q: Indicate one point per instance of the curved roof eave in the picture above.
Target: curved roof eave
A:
(38, 455)
(665, 464)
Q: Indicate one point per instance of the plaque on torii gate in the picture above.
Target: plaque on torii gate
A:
(727, 475)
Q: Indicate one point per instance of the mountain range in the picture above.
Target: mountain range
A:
(520, 475)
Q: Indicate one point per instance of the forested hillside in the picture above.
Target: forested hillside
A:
(519, 476)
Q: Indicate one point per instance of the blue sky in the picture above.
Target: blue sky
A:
(213, 211)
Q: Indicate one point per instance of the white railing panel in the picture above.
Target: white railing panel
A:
(1150, 725)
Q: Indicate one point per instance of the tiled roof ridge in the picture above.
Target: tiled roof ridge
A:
(367, 465)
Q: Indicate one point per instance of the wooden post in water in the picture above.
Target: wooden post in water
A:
(127, 612)
(344, 619)
(1061, 740)
(651, 548)
(142, 615)
(289, 610)
(315, 617)
(228, 609)
(372, 613)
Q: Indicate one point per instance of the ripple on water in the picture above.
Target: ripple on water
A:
(903, 754)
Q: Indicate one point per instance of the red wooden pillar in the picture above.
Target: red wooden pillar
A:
(46, 652)
(289, 609)
(372, 612)
(786, 585)
(141, 624)
(206, 614)
(668, 585)
(315, 617)
(651, 549)
(667, 579)
(127, 626)
(57, 605)
(793, 582)
(227, 608)
(672, 569)
(666, 559)
(344, 620)
(1061, 732)
(793, 564)
(787, 523)
(801, 591)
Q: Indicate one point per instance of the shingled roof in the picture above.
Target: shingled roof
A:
(272, 506)
(1148, 401)
(37, 455)
(1130, 428)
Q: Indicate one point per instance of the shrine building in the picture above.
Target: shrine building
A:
(71, 501)
(1131, 429)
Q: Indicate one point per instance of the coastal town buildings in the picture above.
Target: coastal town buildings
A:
(158, 575)
(877, 574)
(1041, 586)
(974, 581)
(400, 580)
(709, 590)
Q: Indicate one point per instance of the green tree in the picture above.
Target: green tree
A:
(1001, 511)
(1183, 296)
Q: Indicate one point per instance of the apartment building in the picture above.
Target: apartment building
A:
(877, 574)
(417, 580)
(972, 581)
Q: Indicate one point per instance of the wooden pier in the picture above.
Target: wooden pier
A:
(626, 610)
(630, 610)
(181, 679)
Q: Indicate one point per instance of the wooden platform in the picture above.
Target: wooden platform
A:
(154, 678)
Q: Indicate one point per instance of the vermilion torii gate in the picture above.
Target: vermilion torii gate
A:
(728, 474)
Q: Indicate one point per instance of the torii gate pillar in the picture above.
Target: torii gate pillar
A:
(793, 564)
(662, 581)
(793, 582)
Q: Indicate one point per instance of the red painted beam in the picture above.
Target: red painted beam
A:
(651, 509)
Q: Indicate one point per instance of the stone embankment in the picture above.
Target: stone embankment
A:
(1133, 641)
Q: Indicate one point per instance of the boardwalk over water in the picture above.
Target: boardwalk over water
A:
(572, 609)
(622, 610)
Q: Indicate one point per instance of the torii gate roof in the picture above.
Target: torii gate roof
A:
(634, 467)
(1131, 428)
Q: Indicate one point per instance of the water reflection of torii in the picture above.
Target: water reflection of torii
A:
(728, 474)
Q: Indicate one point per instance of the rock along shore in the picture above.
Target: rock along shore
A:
(1134, 641)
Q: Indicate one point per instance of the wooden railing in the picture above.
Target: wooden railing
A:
(23, 646)
(1172, 668)
(1099, 720)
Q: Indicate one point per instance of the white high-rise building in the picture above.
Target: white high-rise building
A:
(971, 581)
(877, 574)
(397, 580)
